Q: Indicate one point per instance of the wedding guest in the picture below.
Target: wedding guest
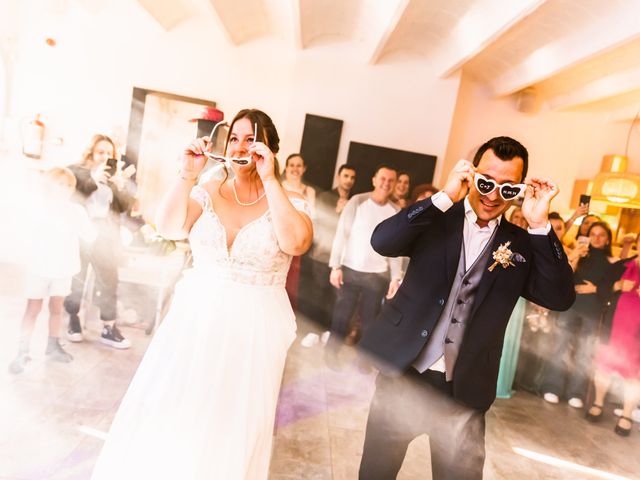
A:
(293, 178)
(582, 210)
(337, 198)
(57, 226)
(400, 194)
(576, 334)
(583, 230)
(513, 333)
(361, 276)
(619, 356)
(422, 192)
(538, 332)
(517, 218)
(317, 296)
(103, 188)
(292, 181)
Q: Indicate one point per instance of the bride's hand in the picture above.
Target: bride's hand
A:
(193, 160)
(264, 160)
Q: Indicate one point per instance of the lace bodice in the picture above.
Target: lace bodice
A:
(254, 256)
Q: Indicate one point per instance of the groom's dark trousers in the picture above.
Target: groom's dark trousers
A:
(407, 406)
(407, 403)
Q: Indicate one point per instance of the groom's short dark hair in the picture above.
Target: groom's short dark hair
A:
(505, 148)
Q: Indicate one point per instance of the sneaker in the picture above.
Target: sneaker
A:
(551, 397)
(17, 366)
(56, 353)
(635, 414)
(111, 336)
(310, 340)
(324, 338)
(576, 402)
(74, 330)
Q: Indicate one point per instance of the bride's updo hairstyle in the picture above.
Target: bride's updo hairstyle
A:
(266, 133)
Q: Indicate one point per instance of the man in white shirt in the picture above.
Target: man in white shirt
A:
(361, 276)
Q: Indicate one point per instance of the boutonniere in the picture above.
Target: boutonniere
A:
(502, 256)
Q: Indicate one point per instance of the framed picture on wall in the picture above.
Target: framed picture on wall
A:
(160, 125)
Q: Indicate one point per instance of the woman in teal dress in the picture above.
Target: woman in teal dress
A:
(511, 345)
(511, 350)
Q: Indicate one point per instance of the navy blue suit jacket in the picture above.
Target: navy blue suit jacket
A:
(433, 241)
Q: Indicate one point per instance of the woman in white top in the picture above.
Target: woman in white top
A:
(294, 169)
(202, 403)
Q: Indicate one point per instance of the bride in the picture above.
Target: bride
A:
(202, 402)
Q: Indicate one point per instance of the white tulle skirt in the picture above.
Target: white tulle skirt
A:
(202, 402)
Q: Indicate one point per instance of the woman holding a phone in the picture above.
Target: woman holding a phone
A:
(101, 186)
(576, 329)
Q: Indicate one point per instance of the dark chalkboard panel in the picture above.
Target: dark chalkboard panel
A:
(366, 159)
(319, 148)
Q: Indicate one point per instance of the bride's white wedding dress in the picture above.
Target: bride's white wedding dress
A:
(202, 402)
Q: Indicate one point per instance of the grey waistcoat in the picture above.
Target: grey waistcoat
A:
(447, 337)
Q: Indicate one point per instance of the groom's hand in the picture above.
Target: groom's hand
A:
(537, 200)
(459, 180)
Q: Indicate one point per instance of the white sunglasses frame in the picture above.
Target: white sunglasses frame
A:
(228, 160)
(478, 176)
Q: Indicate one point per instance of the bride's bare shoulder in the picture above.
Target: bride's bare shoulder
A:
(212, 186)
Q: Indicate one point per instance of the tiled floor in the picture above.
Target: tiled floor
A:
(51, 417)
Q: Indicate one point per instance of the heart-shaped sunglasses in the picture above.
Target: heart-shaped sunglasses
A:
(508, 191)
(221, 158)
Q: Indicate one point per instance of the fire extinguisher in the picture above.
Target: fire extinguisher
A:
(33, 138)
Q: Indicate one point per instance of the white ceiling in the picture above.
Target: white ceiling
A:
(575, 54)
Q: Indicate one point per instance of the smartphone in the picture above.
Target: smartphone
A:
(583, 240)
(112, 165)
(585, 199)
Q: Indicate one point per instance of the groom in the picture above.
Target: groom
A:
(438, 342)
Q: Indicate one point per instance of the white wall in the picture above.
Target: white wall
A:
(84, 84)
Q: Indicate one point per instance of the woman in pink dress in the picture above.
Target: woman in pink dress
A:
(621, 354)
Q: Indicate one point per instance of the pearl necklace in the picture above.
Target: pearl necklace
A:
(242, 204)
